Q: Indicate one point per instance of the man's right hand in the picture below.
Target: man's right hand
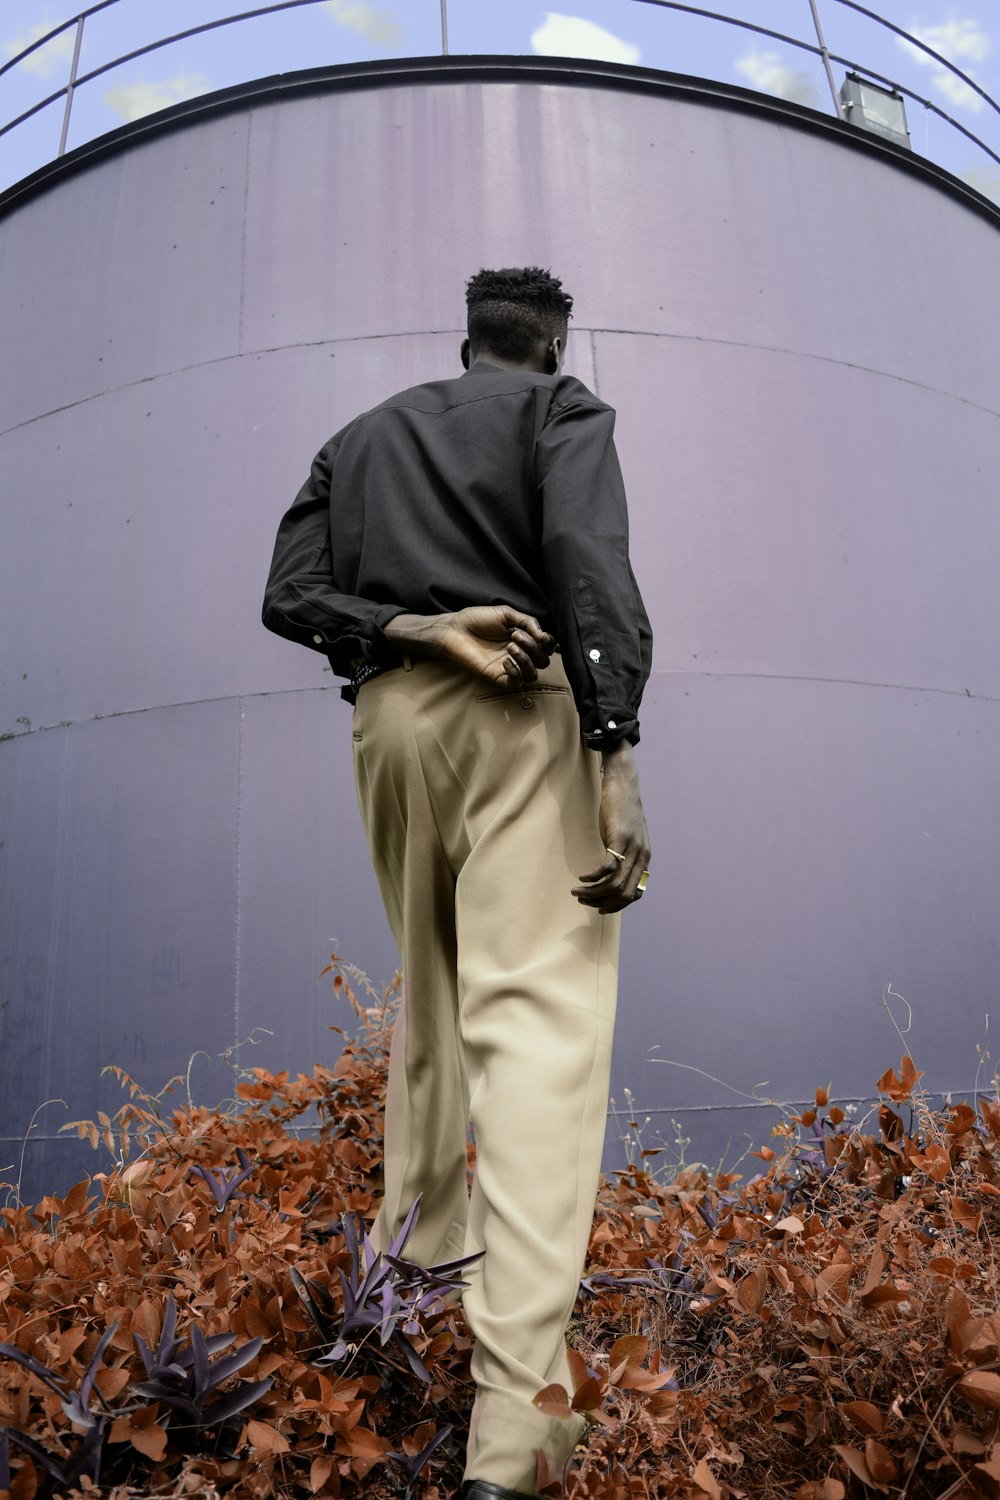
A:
(493, 641)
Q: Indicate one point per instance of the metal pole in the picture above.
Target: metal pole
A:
(74, 65)
(444, 28)
(826, 61)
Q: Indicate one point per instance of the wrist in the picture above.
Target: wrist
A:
(618, 762)
(420, 634)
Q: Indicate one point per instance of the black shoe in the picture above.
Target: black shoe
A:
(485, 1489)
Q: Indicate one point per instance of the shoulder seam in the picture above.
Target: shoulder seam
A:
(596, 405)
(423, 410)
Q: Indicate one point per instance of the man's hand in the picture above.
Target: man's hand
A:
(493, 641)
(614, 884)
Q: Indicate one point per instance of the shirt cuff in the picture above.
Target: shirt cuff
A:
(611, 731)
(379, 646)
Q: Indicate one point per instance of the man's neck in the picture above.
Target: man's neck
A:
(494, 362)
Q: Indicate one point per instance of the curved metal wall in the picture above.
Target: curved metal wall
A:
(797, 331)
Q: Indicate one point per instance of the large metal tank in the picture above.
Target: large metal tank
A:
(796, 324)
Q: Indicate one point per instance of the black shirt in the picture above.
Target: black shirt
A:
(497, 487)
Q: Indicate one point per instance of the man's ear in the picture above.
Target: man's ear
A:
(553, 356)
(465, 353)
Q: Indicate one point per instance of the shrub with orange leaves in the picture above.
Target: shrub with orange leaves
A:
(829, 1327)
(832, 1325)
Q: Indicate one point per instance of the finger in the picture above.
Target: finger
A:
(634, 891)
(522, 661)
(614, 901)
(531, 648)
(605, 871)
(610, 889)
(606, 907)
(515, 620)
(631, 891)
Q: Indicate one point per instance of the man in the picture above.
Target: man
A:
(461, 554)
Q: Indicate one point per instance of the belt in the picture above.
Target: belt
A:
(366, 671)
(363, 671)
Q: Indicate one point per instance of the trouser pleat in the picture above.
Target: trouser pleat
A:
(481, 812)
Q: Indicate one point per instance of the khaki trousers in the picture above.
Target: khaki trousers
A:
(481, 809)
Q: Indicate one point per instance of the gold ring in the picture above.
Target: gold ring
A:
(615, 853)
(643, 878)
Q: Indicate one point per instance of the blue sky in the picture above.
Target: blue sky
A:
(335, 31)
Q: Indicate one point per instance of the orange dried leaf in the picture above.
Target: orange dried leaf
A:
(151, 1440)
(319, 1472)
(662, 1404)
(750, 1292)
(863, 1415)
(111, 1381)
(875, 1268)
(970, 1218)
(76, 1199)
(982, 1388)
(267, 1439)
(991, 1464)
(630, 1350)
(577, 1367)
(881, 1296)
(647, 1380)
(821, 1489)
(587, 1397)
(881, 1464)
(855, 1461)
(706, 1480)
(900, 1089)
(362, 1443)
(553, 1401)
(834, 1279)
(24, 1485)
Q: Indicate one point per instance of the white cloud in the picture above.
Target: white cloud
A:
(59, 50)
(957, 92)
(376, 26)
(956, 40)
(133, 100)
(767, 72)
(571, 36)
(962, 42)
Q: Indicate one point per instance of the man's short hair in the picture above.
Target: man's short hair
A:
(510, 310)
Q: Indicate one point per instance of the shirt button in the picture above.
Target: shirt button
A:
(318, 640)
(527, 703)
(595, 655)
(612, 724)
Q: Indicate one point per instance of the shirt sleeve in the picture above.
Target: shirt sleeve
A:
(300, 600)
(601, 623)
